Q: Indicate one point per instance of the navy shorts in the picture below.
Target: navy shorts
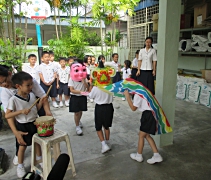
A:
(148, 122)
(63, 89)
(30, 128)
(103, 116)
(117, 77)
(77, 103)
(53, 91)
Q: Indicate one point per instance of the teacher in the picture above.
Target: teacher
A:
(147, 61)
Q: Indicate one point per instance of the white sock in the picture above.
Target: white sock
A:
(139, 155)
(77, 126)
(20, 165)
(156, 154)
(103, 143)
(38, 158)
(107, 141)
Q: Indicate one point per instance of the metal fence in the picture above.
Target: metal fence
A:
(140, 26)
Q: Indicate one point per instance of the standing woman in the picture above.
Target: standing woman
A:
(135, 65)
(147, 61)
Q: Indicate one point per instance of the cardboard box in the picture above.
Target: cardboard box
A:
(155, 18)
(185, 21)
(201, 12)
(206, 74)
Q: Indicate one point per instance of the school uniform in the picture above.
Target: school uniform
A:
(33, 71)
(63, 80)
(146, 77)
(77, 101)
(48, 70)
(24, 123)
(134, 70)
(126, 73)
(148, 122)
(103, 108)
(117, 77)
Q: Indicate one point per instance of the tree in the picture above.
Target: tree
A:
(107, 10)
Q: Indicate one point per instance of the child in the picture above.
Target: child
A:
(70, 60)
(18, 107)
(126, 71)
(135, 66)
(52, 57)
(78, 85)
(115, 63)
(56, 66)
(103, 114)
(32, 68)
(102, 58)
(48, 75)
(148, 126)
(62, 82)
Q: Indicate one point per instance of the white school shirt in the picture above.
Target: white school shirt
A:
(56, 64)
(100, 97)
(33, 71)
(77, 86)
(147, 57)
(140, 103)
(126, 73)
(47, 70)
(17, 103)
(63, 74)
(135, 62)
(6, 93)
(115, 65)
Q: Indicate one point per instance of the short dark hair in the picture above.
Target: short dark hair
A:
(51, 53)
(86, 58)
(31, 55)
(137, 52)
(78, 61)
(147, 39)
(114, 54)
(45, 52)
(4, 70)
(127, 63)
(67, 59)
(19, 77)
(101, 57)
(62, 58)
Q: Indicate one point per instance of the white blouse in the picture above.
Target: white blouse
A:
(147, 57)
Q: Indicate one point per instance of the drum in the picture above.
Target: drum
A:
(45, 126)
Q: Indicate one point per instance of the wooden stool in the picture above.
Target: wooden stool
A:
(46, 143)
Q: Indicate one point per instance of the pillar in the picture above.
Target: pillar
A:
(168, 43)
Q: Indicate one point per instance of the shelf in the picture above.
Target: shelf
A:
(196, 53)
(188, 30)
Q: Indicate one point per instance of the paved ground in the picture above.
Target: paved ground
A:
(188, 158)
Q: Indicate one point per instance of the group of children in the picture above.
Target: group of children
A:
(49, 73)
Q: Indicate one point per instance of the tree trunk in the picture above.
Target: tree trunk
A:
(70, 11)
(8, 22)
(60, 28)
(101, 35)
(2, 28)
(13, 25)
(57, 34)
(25, 39)
(85, 17)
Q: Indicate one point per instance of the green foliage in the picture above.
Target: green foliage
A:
(92, 38)
(10, 55)
(108, 40)
(73, 43)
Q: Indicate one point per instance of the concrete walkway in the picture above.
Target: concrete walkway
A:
(188, 158)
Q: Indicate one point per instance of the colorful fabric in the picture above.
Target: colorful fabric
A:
(135, 87)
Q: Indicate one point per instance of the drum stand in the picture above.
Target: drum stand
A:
(46, 143)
